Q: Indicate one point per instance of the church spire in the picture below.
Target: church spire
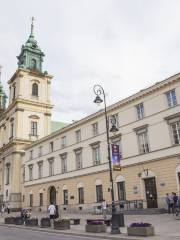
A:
(32, 26)
(31, 56)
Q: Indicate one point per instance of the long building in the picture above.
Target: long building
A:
(70, 167)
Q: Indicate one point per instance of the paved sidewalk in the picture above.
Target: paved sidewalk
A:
(166, 226)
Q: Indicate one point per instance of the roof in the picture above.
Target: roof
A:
(57, 125)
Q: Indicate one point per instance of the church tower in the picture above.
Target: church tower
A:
(2, 96)
(27, 117)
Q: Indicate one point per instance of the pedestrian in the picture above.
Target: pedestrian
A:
(104, 208)
(168, 202)
(52, 211)
(8, 208)
(2, 210)
(175, 199)
(57, 212)
(171, 202)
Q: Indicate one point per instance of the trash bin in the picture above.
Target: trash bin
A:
(119, 218)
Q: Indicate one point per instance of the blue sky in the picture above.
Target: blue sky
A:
(124, 45)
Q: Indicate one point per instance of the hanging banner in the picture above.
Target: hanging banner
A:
(116, 157)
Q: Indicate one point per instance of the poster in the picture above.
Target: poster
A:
(116, 157)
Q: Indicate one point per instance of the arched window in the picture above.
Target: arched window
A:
(33, 63)
(35, 89)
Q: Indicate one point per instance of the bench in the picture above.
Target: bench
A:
(106, 221)
(75, 221)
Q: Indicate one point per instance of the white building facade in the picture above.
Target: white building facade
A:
(70, 167)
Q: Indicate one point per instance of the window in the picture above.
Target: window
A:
(63, 162)
(33, 63)
(40, 169)
(95, 129)
(81, 195)
(40, 151)
(78, 153)
(14, 92)
(114, 120)
(65, 196)
(7, 173)
(34, 128)
(140, 111)
(175, 131)
(63, 141)
(23, 177)
(30, 172)
(99, 193)
(171, 98)
(12, 130)
(96, 154)
(35, 89)
(40, 199)
(31, 200)
(78, 135)
(121, 191)
(31, 155)
(51, 166)
(143, 141)
(51, 146)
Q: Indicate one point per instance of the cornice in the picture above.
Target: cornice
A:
(20, 72)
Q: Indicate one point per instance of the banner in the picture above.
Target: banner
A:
(116, 157)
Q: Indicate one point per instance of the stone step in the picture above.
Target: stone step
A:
(147, 211)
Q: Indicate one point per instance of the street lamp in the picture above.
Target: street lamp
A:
(98, 90)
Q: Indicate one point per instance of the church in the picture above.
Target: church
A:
(69, 166)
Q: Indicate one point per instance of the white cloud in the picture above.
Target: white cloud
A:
(124, 45)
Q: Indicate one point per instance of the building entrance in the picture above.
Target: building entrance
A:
(151, 192)
(52, 195)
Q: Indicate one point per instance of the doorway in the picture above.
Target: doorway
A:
(151, 192)
(52, 195)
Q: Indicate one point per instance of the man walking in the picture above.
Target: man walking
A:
(104, 208)
(52, 211)
(168, 202)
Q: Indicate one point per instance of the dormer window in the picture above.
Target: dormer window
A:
(35, 89)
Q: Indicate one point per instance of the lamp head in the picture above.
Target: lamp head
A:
(98, 100)
(113, 129)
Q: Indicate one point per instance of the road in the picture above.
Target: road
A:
(23, 234)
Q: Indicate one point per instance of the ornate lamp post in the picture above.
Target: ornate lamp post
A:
(98, 90)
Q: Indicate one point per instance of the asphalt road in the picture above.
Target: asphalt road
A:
(23, 234)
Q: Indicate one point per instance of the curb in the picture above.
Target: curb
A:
(61, 232)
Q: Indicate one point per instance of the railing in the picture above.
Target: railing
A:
(96, 208)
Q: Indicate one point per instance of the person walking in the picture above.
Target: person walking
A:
(168, 202)
(104, 208)
(171, 202)
(175, 199)
(8, 208)
(52, 211)
(2, 210)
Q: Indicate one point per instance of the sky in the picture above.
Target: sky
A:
(123, 45)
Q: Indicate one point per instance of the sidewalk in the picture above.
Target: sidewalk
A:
(166, 227)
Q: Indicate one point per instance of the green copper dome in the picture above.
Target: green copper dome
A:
(31, 56)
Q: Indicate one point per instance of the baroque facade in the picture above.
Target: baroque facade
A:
(69, 166)
(26, 119)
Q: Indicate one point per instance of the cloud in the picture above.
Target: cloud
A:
(123, 45)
